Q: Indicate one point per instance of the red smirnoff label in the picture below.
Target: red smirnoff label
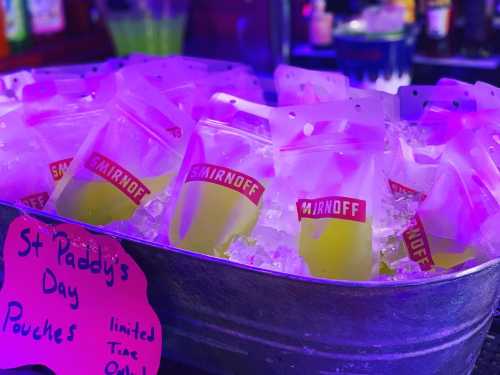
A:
(414, 237)
(397, 188)
(37, 201)
(417, 245)
(58, 168)
(118, 176)
(229, 178)
(332, 207)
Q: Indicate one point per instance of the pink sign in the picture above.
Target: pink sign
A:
(74, 302)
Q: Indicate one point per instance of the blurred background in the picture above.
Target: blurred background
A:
(378, 44)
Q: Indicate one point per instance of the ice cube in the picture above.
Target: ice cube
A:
(268, 248)
(396, 213)
(406, 269)
(489, 241)
(147, 221)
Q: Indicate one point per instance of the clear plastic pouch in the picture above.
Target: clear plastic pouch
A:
(124, 163)
(297, 86)
(193, 97)
(47, 135)
(434, 114)
(227, 167)
(328, 158)
(466, 194)
(24, 164)
(487, 96)
(411, 174)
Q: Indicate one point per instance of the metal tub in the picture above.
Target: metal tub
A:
(231, 319)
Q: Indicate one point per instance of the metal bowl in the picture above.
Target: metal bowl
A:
(231, 319)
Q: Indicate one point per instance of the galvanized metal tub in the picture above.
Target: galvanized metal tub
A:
(231, 319)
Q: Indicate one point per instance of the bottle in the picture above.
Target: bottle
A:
(320, 25)
(17, 28)
(47, 17)
(79, 16)
(409, 6)
(437, 36)
(4, 44)
(478, 27)
(495, 32)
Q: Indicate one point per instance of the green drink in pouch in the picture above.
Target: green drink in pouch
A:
(126, 161)
(328, 157)
(225, 173)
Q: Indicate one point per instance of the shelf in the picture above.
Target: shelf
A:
(491, 63)
(59, 50)
(306, 50)
(426, 70)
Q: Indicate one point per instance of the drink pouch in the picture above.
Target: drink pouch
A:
(209, 66)
(70, 71)
(82, 81)
(297, 86)
(411, 173)
(328, 160)
(434, 114)
(389, 102)
(455, 82)
(8, 100)
(487, 96)
(486, 124)
(101, 86)
(488, 238)
(416, 100)
(68, 89)
(190, 82)
(8, 106)
(465, 195)
(88, 70)
(166, 72)
(390, 105)
(489, 132)
(11, 86)
(72, 81)
(227, 167)
(413, 167)
(62, 132)
(122, 164)
(14, 83)
(56, 133)
(193, 97)
(179, 70)
(24, 164)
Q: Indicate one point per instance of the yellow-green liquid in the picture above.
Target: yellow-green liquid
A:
(442, 255)
(160, 37)
(208, 217)
(99, 202)
(336, 248)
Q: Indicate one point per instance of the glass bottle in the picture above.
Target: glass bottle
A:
(478, 27)
(437, 33)
(17, 27)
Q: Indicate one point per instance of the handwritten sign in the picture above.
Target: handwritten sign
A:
(74, 302)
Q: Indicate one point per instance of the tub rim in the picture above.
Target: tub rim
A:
(337, 283)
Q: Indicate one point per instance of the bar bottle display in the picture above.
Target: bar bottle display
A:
(17, 25)
(437, 36)
(478, 17)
